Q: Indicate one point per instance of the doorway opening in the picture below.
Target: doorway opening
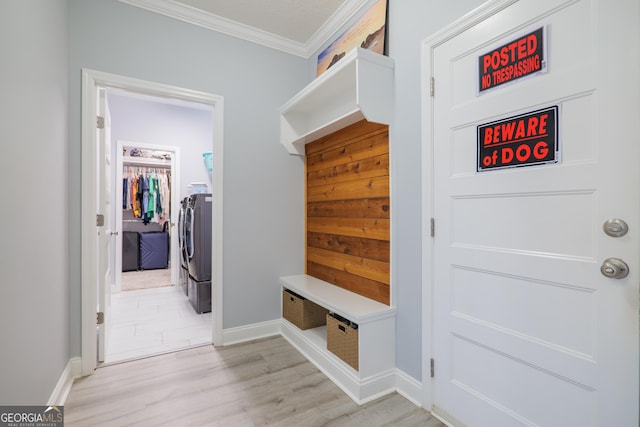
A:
(96, 292)
(136, 161)
(150, 313)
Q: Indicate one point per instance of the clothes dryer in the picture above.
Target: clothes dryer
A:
(198, 250)
(184, 261)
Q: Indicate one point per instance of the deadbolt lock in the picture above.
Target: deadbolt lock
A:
(615, 227)
(614, 268)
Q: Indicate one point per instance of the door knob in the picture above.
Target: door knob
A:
(113, 233)
(614, 268)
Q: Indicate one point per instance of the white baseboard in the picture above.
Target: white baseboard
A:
(250, 332)
(409, 388)
(63, 387)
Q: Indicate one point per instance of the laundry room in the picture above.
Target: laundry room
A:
(161, 151)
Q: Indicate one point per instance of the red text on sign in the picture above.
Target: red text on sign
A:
(516, 129)
(511, 53)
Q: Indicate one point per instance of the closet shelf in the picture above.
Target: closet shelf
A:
(145, 161)
(359, 86)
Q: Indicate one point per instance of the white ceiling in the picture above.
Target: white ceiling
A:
(300, 27)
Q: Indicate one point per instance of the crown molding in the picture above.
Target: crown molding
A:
(326, 34)
(223, 25)
(217, 23)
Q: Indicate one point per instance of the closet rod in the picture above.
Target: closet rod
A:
(145, 169)
(146, 165)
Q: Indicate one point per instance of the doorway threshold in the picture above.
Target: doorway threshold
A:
(132, 359)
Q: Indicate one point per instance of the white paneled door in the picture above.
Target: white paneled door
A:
(105, 227)
(529, 327)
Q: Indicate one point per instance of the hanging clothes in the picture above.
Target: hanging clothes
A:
(125, 192)
(133, 193)
(146, 193)
(145, 198)
(164, 195)
(152, 198)
(158, 198)
(129, 176)
(137, 203)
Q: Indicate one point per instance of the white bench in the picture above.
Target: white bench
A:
(376, 338)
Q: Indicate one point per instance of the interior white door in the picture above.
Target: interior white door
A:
(105, 231)
(527, 330)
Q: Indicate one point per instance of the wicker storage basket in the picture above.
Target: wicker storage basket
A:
(301, 312)
(342, 340)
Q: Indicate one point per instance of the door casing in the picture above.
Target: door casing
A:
(428, 46)
(91, 80)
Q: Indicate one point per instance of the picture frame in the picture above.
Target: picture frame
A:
(368, 32)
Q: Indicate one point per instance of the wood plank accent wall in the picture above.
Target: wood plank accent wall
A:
(347, 219)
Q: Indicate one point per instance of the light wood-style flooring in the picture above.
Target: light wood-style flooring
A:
(264, 382)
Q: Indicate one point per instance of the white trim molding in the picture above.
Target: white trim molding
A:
(91, 80)
(328, 32)
(64, 384)
(251, 332)
(195, 16)
(409, 388)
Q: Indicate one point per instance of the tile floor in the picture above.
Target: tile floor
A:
(153, 321)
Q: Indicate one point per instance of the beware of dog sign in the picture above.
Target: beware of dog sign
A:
(524, 140)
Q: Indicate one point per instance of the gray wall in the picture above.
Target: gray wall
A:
(248, 254)
(263, 236)
(34, 331)
(409, 22)
(135, 119)
(263, 228)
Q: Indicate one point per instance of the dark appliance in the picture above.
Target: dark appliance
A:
(198, 250)
(183, 278)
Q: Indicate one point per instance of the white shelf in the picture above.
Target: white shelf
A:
(347, 304)
(359, 86)
(145, 161)
(376, 338)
